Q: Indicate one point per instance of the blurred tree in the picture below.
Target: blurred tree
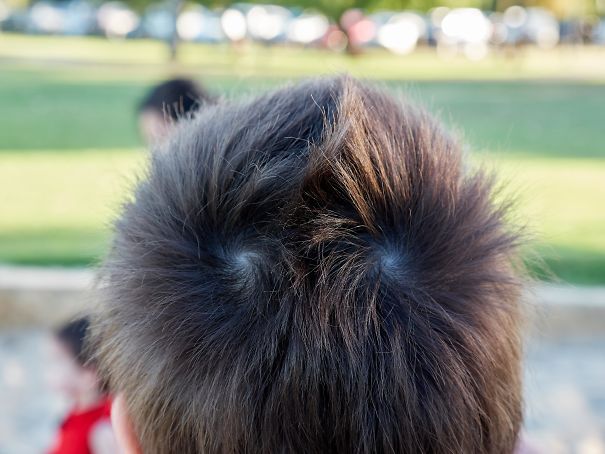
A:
(333, 8)
(561, 8)
(566, 8)
(17, 4)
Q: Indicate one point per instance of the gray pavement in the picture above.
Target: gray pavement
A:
(565, 395)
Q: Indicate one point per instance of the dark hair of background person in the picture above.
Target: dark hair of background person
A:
(73, 336)
(175, 98)
(315, 270)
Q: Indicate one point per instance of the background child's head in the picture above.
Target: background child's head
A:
(315, 270)
(73, 372)
(166, 104)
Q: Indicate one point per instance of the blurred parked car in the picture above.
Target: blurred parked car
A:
(598, 33)
(531, 26)
(200, 24)
(66, 18)
(268, 23)
(157, 21)
(465, 30)
(5, 11)
(400, 32)
(307, 28)
(233, 24)
(116, 20)
(12, 20)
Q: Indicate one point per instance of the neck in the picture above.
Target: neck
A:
(87, 399)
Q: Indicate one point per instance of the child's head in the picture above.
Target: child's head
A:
(315, 270)
(73, 372)
(166, 104)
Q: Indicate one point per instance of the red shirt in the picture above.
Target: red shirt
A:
(74, 432)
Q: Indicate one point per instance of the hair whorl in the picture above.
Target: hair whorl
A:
(314, 271)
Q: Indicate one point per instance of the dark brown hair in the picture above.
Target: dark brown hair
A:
(315, 270)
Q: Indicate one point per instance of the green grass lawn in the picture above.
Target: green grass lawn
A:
(69, 149)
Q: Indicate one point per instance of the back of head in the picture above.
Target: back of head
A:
(314, 270)
(175, 98)
(73, 336)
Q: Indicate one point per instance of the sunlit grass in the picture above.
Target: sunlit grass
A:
(561, 201)
(57, 206)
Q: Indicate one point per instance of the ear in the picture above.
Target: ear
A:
(122, 425)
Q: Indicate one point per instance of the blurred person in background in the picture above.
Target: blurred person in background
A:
(87, 427)
(166, 104)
